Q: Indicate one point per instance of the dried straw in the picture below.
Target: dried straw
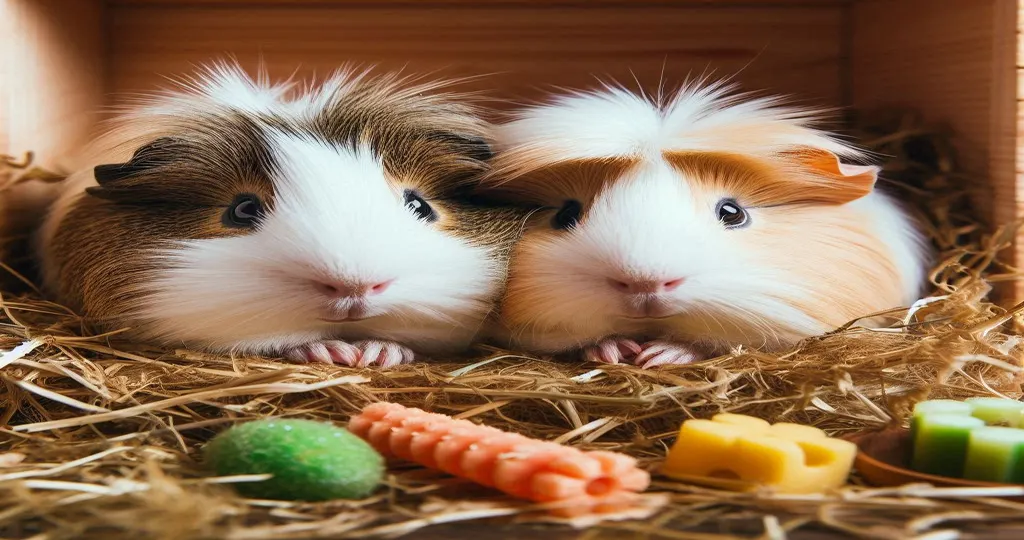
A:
(100, 437)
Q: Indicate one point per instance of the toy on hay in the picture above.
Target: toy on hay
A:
(577, 482)
(788, 457)
(978, 442)
(306, 460)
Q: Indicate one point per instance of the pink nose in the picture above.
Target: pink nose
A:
(350, 289)
(646, 286)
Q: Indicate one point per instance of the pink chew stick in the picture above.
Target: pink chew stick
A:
(583, 482)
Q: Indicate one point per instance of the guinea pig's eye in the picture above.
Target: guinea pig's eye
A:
(568, 215)
(419, 206)
(731, 214)
(245, 211)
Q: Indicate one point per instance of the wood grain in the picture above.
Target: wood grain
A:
(954, 61)
(51, 83)
(526, 49)
(623, 3)
(51, 87)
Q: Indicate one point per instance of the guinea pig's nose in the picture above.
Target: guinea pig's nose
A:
(646, 286)
(350, 289)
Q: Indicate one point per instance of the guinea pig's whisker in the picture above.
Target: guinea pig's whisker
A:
(763, 325)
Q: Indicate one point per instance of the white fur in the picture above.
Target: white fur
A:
(907, 245)
(335, 217)
(740, 287)
(617, 122)
(225, 84)
(649, 226)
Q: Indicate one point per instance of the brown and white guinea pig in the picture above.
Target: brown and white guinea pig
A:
(674, 231)
(321, 223)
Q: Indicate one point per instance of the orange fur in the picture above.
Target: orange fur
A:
(805, 176)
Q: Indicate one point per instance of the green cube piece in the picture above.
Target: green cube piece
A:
(995, 454)
(937, 406)
(997, 411)
(940, 443)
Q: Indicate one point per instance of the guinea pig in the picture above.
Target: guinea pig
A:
(322, 223)
(679, 229)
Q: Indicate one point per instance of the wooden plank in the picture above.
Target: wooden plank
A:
(6, 72)
(632, 3)
(1018, 135)
(51, 90)
(52, 78)
(954, 61)
(526, 49)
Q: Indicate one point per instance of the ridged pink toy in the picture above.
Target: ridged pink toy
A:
(546, 472)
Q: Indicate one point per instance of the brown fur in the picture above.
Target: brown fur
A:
(800, 177)
(581, 179)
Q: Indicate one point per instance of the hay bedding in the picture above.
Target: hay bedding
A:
(100, 436)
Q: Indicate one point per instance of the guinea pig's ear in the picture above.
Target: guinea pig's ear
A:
(831, 181)
(119, 181)
(146, 157)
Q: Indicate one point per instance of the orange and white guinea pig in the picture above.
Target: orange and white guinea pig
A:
(678, 230)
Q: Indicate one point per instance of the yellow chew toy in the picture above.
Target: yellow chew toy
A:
(791, 458)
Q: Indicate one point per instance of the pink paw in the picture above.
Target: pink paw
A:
(660, 353)
(359, 354)
(613, 350)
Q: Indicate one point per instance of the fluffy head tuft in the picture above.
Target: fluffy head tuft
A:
(618, 123)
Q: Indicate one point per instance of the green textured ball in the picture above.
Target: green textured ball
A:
(310, 461)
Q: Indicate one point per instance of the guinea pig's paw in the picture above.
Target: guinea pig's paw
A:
(661, 353)
(325, 352)
(613, 350)
(383, 353)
